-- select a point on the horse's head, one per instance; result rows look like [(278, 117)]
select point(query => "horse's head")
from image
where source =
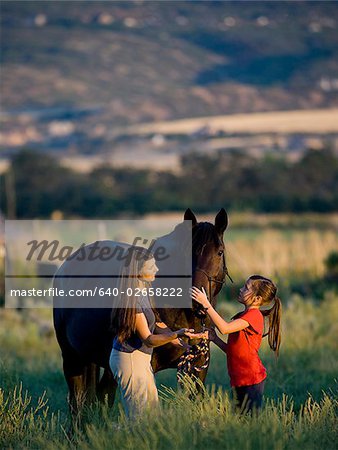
[(208, 255)]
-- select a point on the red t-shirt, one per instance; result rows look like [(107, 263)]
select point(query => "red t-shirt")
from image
[(244, 365)]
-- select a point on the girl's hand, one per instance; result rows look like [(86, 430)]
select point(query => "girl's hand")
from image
[(211, 334), (200, 296)]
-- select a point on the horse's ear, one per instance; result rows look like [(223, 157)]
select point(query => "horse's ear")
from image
[(221, 221), (189, 215)]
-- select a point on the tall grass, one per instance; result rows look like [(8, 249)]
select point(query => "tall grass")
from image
[(211, 423), (280, 253), (300, 397), (207, 422)]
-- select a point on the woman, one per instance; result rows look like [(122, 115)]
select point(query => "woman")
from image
[(137, 332), (246, 371)]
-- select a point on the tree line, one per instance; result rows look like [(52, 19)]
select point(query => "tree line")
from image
[(39, 185)]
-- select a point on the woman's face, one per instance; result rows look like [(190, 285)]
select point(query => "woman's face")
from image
[(148, 270)]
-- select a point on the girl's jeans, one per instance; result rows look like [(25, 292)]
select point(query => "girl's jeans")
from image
[(249, 398)]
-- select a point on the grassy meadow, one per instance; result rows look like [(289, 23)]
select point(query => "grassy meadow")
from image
[(300, 409)]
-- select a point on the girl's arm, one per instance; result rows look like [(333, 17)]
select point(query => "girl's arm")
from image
[(216, 340), (220, 344), (222, 325)]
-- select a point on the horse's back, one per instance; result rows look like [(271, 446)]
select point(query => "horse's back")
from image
[(82, 323)]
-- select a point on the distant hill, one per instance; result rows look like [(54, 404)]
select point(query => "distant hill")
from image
[(98, 65)]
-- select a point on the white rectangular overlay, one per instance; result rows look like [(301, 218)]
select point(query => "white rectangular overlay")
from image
[(80, 263)]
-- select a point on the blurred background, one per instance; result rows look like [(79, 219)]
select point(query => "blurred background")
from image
[(141, 109)]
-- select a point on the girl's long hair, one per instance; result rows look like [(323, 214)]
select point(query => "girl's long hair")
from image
[(265, 288), (123, 317)]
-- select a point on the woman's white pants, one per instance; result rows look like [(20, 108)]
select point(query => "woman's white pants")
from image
[(136, 380)]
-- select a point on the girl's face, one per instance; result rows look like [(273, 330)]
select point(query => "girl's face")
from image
[(246, 294), (148, 270)]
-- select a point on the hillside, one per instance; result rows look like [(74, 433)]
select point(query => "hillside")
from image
[(73, 71)]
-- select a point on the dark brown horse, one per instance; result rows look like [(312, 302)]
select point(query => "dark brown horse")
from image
[(84, 334)]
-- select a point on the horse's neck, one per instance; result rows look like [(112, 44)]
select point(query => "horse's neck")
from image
[(165, 242)]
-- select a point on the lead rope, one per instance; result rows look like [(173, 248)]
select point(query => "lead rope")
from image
[(187, 365)]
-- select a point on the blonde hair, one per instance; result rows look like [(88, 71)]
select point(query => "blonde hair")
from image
[(267, 290)]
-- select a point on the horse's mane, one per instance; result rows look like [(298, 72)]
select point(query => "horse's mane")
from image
[(204, 233)]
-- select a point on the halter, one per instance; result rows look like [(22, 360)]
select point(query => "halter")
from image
[(211, 279)]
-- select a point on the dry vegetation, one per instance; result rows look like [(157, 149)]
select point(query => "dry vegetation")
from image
[(288, 122), (273, 253)]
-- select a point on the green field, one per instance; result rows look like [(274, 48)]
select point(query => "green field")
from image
[(301, 391), (300, 398)]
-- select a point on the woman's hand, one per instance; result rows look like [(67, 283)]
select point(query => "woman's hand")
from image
[(201, 335), (191, 334), (180, 343), (184, 331), (200, 296)]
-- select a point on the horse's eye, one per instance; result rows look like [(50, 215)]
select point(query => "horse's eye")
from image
[(220, 253)]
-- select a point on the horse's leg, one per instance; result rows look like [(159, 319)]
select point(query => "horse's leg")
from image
[(201, 376), (107, 386), (91, 379), (81, 379), (76, 392)]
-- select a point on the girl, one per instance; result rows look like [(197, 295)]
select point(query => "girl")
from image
[(246, 371), (137, 332)]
